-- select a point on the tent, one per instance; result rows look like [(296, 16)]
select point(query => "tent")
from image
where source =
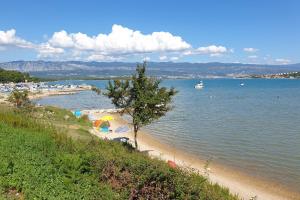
[(97, 123), (107, 118), (77, 113)]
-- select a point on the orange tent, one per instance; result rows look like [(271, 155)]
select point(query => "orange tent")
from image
[(97, 123)]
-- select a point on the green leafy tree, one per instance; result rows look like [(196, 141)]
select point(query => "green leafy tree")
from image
[(19, 98), (141, 97)]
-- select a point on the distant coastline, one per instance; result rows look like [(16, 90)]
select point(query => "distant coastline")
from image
[(53, 70)]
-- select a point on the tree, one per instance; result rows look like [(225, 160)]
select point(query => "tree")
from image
[(141, 98), (19, 98)]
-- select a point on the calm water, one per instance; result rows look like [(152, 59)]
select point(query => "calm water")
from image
[(255, 128)]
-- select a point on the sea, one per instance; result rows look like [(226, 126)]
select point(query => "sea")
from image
[(253, 127)]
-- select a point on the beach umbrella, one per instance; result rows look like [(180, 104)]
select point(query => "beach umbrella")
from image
[(107, 118)]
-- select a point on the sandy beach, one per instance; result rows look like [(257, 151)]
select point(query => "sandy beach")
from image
[(239, 183), (38, 95), (45, 93)]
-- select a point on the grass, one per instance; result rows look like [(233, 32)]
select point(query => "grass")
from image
[(42, 159)]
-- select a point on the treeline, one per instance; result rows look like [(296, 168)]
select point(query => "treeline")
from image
[(7, 76)]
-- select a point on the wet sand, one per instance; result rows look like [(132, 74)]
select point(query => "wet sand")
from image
[(239, 183)]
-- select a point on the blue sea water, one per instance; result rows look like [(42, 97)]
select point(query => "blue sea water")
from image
[(254, 128)]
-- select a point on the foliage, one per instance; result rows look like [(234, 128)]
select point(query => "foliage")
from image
[(141, 98), (19, 98), (40, 162), (7, 76)]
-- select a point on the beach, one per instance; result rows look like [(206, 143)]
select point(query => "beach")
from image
[(46, 93), (238, 183), (41, 90)]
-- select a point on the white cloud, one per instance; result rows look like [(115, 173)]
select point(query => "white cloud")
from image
[(61, 39), (252, 57), (174, 58), (9, 38), (45, 50), (120, 43), (163, 58), (282, 61), (250, 50), (120, 40), (101, 57), (212, 50), (216, 55)]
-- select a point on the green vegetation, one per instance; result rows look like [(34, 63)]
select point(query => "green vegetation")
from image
[(19, 98), (141, 98), (7, 76), (49, 154)]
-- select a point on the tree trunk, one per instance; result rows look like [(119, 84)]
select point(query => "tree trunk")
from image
[(135, 130)]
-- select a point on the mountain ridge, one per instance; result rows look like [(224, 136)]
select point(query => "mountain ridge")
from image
[(47, 68)]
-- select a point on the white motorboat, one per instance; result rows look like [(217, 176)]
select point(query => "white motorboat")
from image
[(199, 85)]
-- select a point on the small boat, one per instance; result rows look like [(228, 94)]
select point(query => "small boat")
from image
[(199, 85), (242, 84)]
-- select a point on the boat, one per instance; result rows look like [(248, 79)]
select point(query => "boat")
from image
[(199, 85), (242, 84)]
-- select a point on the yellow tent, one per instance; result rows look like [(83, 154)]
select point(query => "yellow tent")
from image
[(107, 118)]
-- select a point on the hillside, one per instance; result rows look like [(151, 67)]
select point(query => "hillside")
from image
[(101, 69), (45, 155), (7, 76)]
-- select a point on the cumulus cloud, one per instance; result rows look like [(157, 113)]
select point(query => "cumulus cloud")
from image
[(252, 57), (174, 58), (9, 38), (120, 43), (212, 50), (47, 51), (163, 58), (282, 61), (101, 57), (250, 50), (120, 40), (61, 39)]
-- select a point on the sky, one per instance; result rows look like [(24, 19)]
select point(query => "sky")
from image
[(246, 31)]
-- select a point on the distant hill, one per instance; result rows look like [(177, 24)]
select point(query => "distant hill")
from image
[(184, 69), (7, 76)]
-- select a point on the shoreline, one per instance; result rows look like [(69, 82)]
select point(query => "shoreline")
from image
[(39, 95), (245, 186), (47, 93)]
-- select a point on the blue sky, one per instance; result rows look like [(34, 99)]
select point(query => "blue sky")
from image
[(252, 31)]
